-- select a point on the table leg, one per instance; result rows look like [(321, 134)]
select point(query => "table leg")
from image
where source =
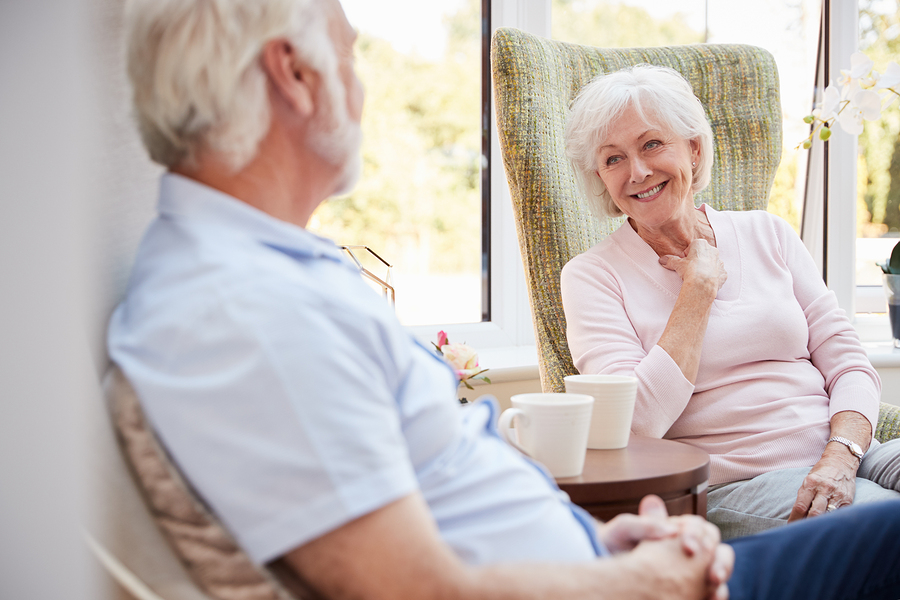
[(700, 503)]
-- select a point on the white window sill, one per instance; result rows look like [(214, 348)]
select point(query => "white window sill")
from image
[(512, 363), (875, 334), (520, 363)]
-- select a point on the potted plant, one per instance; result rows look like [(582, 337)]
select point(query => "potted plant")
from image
[(891, 277)]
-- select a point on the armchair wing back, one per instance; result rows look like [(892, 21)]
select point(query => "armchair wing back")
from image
[(535, 81)]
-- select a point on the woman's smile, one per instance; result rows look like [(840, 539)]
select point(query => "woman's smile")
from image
[(651, 192)]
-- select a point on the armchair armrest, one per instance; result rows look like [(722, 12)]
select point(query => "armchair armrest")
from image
[(888, 423)]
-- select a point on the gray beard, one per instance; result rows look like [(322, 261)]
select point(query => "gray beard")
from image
[(351, 166), (338, 140)]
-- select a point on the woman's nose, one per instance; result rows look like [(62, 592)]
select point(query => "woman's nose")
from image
[(639, 170)]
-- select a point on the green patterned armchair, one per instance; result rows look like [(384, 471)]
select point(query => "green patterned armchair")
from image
[(536, 79)]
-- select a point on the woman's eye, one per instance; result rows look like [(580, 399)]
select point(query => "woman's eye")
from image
[(613, 160), (652, 144)]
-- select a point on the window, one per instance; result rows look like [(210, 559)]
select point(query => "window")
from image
[(433, 200), (878, 163), (439, 46), (419, 202), (830, 215)]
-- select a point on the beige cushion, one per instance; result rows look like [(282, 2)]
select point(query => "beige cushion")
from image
[(209, 553)]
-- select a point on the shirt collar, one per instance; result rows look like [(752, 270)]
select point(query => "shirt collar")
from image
[(184, 198)]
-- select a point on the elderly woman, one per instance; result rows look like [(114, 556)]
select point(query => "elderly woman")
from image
[(737, 345)]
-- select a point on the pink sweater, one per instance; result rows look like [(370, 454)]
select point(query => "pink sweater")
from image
[(778, 360)]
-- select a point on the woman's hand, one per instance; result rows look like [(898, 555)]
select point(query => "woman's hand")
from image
[(700, 266), (830, 483), (702, 274)]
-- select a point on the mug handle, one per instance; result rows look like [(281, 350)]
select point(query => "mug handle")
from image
[(503, 426)]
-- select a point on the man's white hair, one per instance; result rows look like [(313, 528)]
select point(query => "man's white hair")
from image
[(195, 71)]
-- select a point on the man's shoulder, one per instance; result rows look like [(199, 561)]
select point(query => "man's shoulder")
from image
[(209, 289), (192, 260)]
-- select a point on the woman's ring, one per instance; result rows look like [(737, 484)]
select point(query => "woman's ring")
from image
[(830, 507)]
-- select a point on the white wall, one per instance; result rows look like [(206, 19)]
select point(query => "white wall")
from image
[(890, 384), (46, 161), (76, 190), (502, 391)]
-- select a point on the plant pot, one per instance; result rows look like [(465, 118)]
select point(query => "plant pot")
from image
[(892, 291)]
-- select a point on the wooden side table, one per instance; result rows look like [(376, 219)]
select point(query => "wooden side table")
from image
[(614, 481)]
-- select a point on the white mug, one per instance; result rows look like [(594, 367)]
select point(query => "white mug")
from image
[(614, 397), (550, 428)]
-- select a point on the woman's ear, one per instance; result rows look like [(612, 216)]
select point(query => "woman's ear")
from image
[(695, 150), (290, 78)]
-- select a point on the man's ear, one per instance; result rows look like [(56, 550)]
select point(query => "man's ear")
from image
[(295, 82)]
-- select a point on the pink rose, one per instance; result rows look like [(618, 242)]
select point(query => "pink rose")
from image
[(462, 358)]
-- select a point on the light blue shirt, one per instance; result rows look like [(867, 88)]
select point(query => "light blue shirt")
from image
[(294, 402)]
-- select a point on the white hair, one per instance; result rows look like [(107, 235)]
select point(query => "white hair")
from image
[(196, 75), (657, 93)]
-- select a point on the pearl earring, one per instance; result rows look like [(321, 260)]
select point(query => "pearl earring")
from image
[(693, 164)]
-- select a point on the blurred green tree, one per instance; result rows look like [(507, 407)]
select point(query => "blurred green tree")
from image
[(879, 144), (617, 25), (418, 202)]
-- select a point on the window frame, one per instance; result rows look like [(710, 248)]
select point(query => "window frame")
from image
[(840, 272), (510, 324), (838, 230)]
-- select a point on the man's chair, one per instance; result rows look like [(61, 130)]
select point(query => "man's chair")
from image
[(216, 565), (535, 80)]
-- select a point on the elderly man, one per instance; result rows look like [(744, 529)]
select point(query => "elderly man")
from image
[(307, 418)]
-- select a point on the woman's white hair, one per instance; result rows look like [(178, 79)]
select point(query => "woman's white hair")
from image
[(196, 76), (661, 96)]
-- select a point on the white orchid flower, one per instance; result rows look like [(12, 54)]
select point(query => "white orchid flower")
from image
[(860, 65), (851, 120), (869, 103), (850, 90), (844, 79), (869, 82), (864, 104), (891, 77), (861, 94), (828, 107)]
